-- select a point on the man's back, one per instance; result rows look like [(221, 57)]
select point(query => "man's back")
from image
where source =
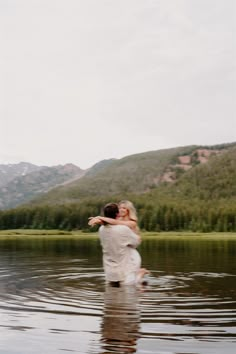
[(116, 241)]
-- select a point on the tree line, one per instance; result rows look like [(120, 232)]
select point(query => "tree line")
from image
[(196, 216)]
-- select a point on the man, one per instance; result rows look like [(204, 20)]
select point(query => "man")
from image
[(116, 241)]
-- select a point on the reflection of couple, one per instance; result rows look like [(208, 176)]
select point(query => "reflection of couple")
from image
[(119, 239), (121, 319)]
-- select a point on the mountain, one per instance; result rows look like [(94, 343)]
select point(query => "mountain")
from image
[(188, 171), (142, 173), (190, 188), (24, 181), (10, 171)]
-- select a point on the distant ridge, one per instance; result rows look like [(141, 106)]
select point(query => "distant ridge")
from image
[(10, 171), (24, 181)]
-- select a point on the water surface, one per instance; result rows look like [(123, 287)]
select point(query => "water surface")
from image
[(53, 298)]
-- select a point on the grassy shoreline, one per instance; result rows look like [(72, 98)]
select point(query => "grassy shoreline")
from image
[(81, 234)]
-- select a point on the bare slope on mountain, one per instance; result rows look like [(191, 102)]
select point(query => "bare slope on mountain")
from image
[(213, 180), (209, 182), (26, 187)]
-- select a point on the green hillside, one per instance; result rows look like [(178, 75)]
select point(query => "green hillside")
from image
[(134, 174), (185, 171)]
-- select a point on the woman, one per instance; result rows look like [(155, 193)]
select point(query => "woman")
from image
[(128, 217)]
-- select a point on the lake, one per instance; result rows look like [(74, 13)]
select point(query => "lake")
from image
[(53, 298)]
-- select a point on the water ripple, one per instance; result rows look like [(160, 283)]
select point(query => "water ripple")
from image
[(61, 299)]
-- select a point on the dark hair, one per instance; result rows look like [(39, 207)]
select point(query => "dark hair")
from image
[(111, 210)]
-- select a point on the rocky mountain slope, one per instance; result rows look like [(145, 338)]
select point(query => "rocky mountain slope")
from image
[(10, 171), (23, 182)]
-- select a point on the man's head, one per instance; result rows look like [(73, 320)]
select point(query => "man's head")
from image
[(111, 210)]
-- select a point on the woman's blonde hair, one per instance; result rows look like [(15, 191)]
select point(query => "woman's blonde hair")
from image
[(130, 207)]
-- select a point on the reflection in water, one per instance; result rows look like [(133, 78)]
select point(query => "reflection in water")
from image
[(52, 298), (121, 319)]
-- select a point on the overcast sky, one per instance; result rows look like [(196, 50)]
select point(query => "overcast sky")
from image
[(86, 80)]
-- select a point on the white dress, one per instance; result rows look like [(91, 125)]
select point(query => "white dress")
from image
[(133, 266)]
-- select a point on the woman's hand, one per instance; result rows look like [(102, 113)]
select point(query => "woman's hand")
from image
[(94, 220)]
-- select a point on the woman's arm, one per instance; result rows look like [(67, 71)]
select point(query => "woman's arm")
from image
[(130, 223), (98, 220)]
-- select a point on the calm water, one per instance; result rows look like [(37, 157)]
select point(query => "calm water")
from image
[(53, 298)]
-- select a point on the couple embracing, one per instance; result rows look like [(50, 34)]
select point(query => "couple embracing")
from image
[(119, 236)]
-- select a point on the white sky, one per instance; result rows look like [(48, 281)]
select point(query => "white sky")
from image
[(86, 80)]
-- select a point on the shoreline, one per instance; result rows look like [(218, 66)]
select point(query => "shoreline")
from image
[(83, 234)]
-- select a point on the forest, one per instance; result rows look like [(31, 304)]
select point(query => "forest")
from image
[(195, 215)]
